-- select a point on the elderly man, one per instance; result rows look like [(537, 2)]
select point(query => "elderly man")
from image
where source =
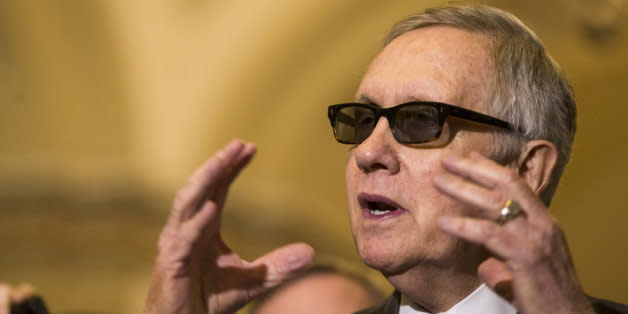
[(461, 129)]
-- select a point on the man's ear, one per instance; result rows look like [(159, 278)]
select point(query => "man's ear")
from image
[(536, 164)]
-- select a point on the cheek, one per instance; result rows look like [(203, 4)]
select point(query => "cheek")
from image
[(428, 202), (421, 191), (351, 184), (350, 178)]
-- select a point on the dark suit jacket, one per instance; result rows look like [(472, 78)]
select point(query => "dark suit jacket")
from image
[(391, 306)]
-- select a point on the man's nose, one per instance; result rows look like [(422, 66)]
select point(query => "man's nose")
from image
[(379, 151)]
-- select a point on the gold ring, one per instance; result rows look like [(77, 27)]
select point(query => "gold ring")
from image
[(511, 210)]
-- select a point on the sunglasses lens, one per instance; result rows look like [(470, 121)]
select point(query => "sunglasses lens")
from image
[(412, 123), (353, 124), (416, 124)]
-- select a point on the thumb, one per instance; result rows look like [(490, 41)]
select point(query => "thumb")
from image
[(285, 261), (497, 276)]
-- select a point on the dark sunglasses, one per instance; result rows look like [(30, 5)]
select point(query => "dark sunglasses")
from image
[(411, 123)]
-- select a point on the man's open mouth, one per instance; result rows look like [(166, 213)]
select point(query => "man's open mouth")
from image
[(378, 205)]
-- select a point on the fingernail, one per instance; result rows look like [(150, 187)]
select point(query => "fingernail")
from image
[(252, 146), (234, 143), (234, 146)]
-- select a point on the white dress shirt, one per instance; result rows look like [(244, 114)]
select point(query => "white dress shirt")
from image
[(481, 301)]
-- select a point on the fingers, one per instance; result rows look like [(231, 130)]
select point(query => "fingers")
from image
[(485, 201), (495, 238), (464, 167), (497, 276), (203, 223), (273, 268), (202, 183), (486, 185), (534, 267), (211, 180), (285, 261), (241, 161), (197, 206)]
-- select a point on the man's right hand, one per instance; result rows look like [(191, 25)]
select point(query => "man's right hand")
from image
[(195, 271)]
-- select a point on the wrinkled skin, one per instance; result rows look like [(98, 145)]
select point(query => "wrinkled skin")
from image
[(451, 197), (532, 265), (195, 271), (436, 261)]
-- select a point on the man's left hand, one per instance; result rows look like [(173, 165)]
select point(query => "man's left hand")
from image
[(532, 266)]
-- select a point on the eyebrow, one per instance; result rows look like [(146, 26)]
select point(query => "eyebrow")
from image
[(364, 99), (416, 99)]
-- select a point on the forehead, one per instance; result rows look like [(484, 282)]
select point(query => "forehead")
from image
[(437, 63)]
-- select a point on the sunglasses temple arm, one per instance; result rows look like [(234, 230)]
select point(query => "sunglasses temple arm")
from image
[(478, 117)]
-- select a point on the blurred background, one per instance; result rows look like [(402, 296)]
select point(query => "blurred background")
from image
[(107, 105)]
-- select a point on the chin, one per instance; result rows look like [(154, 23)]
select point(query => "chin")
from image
[(383, 255), (393, 256)]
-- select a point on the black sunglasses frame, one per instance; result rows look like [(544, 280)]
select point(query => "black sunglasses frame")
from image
[(444, 110)]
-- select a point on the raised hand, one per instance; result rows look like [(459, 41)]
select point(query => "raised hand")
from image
[(532, 265), (195, 271)]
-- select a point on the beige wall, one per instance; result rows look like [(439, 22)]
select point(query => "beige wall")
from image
[(106, 106)]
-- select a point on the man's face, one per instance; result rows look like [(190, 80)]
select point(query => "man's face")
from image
[(437, 63)]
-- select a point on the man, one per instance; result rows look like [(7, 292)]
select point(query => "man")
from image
[(320, 289), (461, 131)]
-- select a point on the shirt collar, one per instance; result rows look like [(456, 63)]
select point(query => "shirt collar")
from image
[(481, 300)]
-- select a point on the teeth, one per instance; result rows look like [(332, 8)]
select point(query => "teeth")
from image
[(379, 209), (379, 212)]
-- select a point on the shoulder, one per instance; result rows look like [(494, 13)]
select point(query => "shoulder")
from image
[(602, 306), (389, 306)]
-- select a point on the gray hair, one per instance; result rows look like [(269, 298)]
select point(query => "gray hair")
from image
[(530, 90)]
